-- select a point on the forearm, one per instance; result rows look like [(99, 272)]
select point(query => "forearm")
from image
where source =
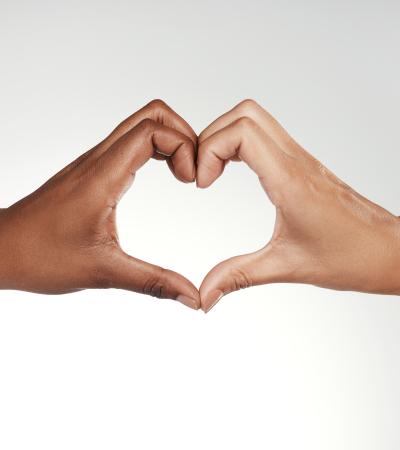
[(390, 273), (367, 260)]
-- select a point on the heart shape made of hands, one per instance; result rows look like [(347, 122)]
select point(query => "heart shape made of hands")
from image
[(63, 237)]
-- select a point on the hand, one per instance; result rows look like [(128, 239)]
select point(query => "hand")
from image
[(325, 233), (63, 237)]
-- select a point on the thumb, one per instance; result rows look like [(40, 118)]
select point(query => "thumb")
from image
[(240, 272), (132, 274)]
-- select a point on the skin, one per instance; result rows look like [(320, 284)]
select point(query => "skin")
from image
[(63, 237), (325, 234)]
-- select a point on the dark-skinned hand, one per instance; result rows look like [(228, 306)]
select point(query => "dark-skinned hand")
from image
[(63, 238)]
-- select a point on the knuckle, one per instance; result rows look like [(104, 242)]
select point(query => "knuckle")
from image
[(245, 122), (157, 104), (147, 125), (240, 279), (155, 285), (248, 105)]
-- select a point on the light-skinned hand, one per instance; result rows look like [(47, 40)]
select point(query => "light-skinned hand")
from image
[(326, 234)]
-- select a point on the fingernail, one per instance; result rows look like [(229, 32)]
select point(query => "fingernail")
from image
[(188, 301), (212, 299), (163, 154)]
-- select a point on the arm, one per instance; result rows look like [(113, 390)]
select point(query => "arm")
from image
[(63, 238), (326, 234)]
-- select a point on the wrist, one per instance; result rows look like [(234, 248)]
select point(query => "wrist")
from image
[(8, 257), (397, 263), (389, 275)]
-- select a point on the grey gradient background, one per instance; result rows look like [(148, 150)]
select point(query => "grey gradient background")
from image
[(279, 366)]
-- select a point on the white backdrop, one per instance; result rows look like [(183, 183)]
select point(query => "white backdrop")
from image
[(279, 366)]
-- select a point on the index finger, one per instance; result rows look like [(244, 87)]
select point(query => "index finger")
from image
[(158, 111), (251, 109), (243, 138)]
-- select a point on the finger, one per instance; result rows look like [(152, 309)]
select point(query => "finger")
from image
[(250, 108), (164, 142), (181, 162), (245, 139), (126, 272), (240, 272), (159, 112), (116, 167)]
